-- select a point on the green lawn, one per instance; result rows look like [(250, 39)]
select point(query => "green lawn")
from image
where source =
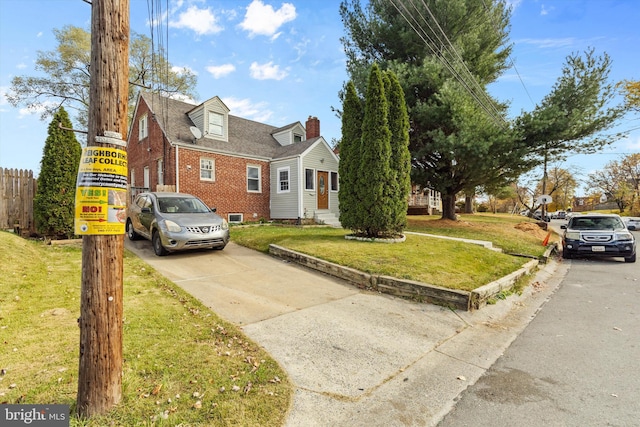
[(176, 351), (440, 262), (182, 363)]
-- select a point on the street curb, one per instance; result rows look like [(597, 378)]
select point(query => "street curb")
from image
[(460, 300)]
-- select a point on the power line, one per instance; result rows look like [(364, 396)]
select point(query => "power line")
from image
[(487, 105), (513, 64)]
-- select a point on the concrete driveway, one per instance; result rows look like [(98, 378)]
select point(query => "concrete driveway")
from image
[(356, 358)]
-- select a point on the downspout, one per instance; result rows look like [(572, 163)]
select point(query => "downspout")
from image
[(177, 170)]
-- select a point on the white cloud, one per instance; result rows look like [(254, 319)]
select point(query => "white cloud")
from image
[(3, 95), (267, 71), (549, 43), (21, 66), (513, 3), (633, 145), (262, 19), (221, 70), (181, 70), (202, 21), (39, 34), (545, 10), (248, 110)]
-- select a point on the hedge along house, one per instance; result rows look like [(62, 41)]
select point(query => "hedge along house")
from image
[(248, 171)]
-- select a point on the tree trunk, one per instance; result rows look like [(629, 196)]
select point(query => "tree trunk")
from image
[(100, 367), (449, 207), (468, 204)]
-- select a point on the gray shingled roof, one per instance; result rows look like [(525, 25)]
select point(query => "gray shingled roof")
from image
[(246, 137)]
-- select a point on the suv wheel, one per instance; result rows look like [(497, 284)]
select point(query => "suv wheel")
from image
[(632, 258), (157, 244), (566, 254), (131, 233)]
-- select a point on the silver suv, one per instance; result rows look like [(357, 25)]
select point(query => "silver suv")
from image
[(175, 222), (598, 235)]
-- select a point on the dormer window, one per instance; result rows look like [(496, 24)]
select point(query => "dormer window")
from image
[(297, 137), (216, 124)]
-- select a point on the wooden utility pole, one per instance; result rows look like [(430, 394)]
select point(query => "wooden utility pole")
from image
[(100, 370)]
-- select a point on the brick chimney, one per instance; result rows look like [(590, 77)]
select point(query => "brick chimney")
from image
[(313, 127)]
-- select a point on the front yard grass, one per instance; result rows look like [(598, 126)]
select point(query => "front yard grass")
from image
[(183, 365), (440, 262)]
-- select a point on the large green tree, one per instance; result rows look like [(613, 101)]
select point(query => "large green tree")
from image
[(54, 203), (574, 115), (348, 168), (444, 54), (63, 75)]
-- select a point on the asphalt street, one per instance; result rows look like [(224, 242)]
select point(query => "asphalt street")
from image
[(575, 364)]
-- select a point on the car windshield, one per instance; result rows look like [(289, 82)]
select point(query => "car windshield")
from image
[(181, 205), (596, 224)]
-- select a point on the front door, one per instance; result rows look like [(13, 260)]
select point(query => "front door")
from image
[(323, 190)]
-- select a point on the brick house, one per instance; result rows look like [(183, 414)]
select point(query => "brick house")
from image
[(247, 170)]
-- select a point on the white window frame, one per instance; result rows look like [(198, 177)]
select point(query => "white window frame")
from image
[(160, 172), (313, 179), (143, 128), (208, 165), (279, 182), (259, 179), (146, 178), (331, 175), (214, 127), (133, 178), (233, 220)]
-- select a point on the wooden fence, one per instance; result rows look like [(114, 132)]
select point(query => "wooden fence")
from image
[(17, 191)]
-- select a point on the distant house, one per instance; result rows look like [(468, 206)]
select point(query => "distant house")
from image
[(248, 171)]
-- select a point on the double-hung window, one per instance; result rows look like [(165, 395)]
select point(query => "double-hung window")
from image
[(253, 179), (216, 124), (283, 180), (207, 170)]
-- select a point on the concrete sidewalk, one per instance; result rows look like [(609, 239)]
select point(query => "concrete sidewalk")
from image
[(356, 358)]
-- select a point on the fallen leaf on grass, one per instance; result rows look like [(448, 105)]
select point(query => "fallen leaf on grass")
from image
[(156, 389)]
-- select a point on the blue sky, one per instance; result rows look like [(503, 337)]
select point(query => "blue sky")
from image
[(279, 62)]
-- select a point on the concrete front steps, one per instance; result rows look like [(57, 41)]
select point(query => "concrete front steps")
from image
[(327, 217)]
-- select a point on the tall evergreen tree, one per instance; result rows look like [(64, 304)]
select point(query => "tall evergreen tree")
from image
[(400, 161), (374, 210), (476, 35), (54, 203), (348, 168)]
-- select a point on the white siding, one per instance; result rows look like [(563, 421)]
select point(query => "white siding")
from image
[(197, 117), (285, 205), (286, 137), (319, 158)]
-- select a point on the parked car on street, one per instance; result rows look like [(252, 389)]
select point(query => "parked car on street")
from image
[(598, 235), (632, 223), (175, 222), (538, 215)]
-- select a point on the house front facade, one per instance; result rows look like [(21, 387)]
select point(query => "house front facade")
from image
[(248, 171)]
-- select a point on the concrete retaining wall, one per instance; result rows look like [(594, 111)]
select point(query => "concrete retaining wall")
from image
[(460, 300)]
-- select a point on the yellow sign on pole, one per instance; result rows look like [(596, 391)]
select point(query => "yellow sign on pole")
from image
[(101, 192)]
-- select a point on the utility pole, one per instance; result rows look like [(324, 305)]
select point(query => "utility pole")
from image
[(100, 369)]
